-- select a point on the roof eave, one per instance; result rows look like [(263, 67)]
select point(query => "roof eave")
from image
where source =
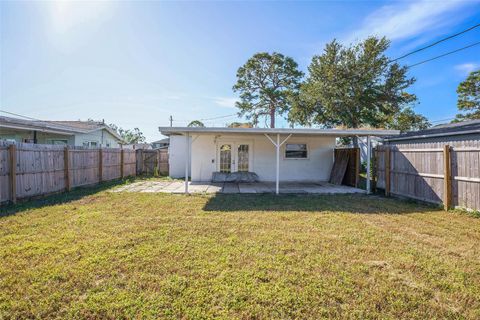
[(39, 129), (325, 132), (433, 135)]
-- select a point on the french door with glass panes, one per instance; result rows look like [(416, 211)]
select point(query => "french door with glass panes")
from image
[(234, 157)]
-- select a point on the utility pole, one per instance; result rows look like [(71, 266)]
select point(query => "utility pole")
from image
[(171, 120)]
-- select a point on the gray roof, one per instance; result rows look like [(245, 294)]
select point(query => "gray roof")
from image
[(307, 131), (442, 130), (59, 127), (165, 140)]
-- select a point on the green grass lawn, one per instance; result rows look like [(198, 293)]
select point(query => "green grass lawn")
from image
[(123, 255)]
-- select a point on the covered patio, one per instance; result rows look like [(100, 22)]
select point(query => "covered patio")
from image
[(282, 160), (241, 187)]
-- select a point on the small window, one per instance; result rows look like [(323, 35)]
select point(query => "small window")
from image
[(296, 151), (59, 141), (91, 144)]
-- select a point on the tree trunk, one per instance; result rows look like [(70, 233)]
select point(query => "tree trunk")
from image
[(272, 117)]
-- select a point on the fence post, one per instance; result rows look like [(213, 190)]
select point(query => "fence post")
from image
[(447, 181), (387, 171), (374, 168), (100, 165), (66, 160), (134, 171), (122, 160), (13, 172), (357, 166)]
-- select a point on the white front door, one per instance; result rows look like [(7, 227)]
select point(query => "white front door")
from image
[(234, 156)]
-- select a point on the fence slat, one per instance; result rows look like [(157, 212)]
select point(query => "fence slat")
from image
[(66, 161), (387, 172), (447, 193), (100, 165), (13, 172), (121, 163)]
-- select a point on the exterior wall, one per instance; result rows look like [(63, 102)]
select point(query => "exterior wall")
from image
[(316, 167), (176, 157), (102, 137), (42, 137)]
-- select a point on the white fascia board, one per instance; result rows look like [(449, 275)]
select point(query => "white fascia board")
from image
[(320, 132)]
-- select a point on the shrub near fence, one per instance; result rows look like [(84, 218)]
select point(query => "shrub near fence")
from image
[(418, 171), (45, 169)]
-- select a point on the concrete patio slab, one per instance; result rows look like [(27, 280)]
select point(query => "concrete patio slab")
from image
[(232, 187)]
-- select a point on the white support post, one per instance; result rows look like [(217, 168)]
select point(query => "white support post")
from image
[(187, 159), (277, 145), (369, 156), (277, 183)]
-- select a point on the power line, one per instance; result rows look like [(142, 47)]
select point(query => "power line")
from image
[(436, 42), (19, 115), (442, 120), (220, 117), (445, 54)]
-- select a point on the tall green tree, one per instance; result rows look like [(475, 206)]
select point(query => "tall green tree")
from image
[(266, 83), (196, 123), (354, 86), (469, 97), (129, 136), (406, 120)]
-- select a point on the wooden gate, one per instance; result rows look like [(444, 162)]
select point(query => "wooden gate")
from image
[(152, 162), (346, 169)]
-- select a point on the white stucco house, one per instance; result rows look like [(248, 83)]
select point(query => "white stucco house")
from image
[(273, 154), (73, 133)]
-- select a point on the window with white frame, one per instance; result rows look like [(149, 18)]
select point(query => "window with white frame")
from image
[(296, 151)]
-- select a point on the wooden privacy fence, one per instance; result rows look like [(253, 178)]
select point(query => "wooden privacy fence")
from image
[(152, 161), (29, 170), (434, 172)]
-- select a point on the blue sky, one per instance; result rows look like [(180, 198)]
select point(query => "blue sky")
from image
[(137, 63)]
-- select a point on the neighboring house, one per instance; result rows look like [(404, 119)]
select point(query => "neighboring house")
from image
[(73, 133), (302, 154), (138, 146), (161, 144), (450, 132)]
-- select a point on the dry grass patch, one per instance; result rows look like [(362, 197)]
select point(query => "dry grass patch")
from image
[(125, 255)]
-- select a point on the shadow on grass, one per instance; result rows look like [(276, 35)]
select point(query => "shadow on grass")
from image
[(352, 203), (59, 198)]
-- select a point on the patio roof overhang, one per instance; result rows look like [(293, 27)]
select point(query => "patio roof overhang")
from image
[(273, 135), (306, 131)]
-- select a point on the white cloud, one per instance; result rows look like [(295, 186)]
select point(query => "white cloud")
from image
[(407, 19), (465, 68), (227, 102)]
